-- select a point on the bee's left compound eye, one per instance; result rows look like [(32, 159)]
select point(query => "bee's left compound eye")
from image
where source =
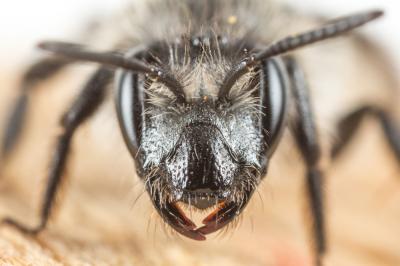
[(129, 101), (273, 93)]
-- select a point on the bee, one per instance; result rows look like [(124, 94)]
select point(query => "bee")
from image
[(204, 92)]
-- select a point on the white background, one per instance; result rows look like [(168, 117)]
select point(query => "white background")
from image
[(23, 23)]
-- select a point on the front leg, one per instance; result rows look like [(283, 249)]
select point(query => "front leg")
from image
[(306, 137), (37, 73), (83, 107)]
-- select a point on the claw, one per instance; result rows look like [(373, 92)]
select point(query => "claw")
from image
[(222, 216), (174, 216), (23, 228), (177, 219)]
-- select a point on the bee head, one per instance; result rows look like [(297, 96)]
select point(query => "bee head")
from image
[(202, 150)]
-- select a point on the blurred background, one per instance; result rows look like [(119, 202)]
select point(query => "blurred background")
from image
[(364, 206)]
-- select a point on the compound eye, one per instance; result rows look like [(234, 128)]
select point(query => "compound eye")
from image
[(273, 93), (129, 100)]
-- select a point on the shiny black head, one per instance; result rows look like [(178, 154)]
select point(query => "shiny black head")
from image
[(205, 150)]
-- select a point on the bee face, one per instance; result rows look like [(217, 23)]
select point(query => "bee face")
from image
[(205, 152), (206, 158), (203, 165)]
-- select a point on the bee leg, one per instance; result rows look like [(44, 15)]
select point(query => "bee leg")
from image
[(391, 131), (348, 126), (82, 108), (40, 71), (305, 133)]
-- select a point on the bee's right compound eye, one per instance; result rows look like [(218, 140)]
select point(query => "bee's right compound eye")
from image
[(274, 85), (130, 107)]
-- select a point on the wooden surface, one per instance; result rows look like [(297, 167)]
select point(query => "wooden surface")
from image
[(101, 220)]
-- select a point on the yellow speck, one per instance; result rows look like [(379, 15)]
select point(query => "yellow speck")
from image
[(232, 20), (205, 98)]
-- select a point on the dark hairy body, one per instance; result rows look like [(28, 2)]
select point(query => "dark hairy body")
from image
[(202, 104)]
